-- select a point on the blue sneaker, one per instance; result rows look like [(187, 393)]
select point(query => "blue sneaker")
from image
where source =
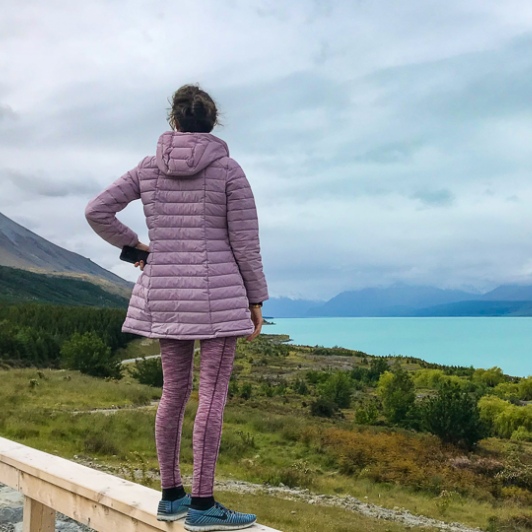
[(218, 517), (173, 510)]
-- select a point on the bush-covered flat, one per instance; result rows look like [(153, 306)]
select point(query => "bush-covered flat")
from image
[(450, 443)]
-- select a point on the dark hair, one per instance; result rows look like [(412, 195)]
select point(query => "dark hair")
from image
[(193, 110)]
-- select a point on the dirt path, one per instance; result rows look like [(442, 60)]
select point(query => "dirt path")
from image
[(398, 515), (132, 360)]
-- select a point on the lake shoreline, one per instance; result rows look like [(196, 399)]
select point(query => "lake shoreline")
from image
[(505, 342)]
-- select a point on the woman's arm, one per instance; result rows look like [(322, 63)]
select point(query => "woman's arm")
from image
[(101, 211)]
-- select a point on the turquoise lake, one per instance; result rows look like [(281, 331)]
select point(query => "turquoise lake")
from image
[(478, 342)]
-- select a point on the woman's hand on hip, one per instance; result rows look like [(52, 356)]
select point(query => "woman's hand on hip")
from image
[(256, 318), (143, 247)]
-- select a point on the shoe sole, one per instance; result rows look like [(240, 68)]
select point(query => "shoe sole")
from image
[(171, 517), (212, 528)]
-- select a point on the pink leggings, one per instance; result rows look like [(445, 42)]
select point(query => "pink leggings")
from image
[(216, 365)]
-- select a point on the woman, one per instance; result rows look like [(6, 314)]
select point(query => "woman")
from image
[(203, 281)]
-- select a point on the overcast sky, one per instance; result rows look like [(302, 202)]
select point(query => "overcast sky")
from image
[(385, 140)]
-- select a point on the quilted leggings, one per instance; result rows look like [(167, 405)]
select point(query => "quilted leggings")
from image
[(216, 365)]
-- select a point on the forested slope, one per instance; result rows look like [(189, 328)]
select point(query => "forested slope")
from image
[(22, 285)]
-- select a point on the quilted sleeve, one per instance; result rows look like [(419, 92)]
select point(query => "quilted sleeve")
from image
[(101, 211), (243, 230)]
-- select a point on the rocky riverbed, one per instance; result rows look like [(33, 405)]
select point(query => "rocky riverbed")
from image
[(11, 502)]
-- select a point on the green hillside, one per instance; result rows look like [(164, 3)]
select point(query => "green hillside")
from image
[(23, 286)]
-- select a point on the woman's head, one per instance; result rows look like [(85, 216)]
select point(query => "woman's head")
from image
[(192, 111)]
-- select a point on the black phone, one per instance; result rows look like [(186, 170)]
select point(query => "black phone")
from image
[(133, 255)]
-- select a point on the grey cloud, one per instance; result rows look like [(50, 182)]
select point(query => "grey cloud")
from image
[(323, 54), (278, 109), (7, 113), (44, 185), (102, 116), (460, 89), (281, 12), (435, 198), (389, 154)]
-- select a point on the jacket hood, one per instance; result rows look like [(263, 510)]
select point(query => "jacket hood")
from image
[(186, 154)]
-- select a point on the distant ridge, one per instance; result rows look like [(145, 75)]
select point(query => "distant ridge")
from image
[(396, 300), (509, 292), (22, 249), (401, 300)]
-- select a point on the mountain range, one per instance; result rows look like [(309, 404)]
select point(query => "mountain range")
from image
[(405, 300)]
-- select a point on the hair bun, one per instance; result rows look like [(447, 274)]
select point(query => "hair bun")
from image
[(198, 108), (193, 110)]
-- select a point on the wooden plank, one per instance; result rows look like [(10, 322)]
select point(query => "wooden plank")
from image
[(37, 517), (88, 512), (115, 493), (9, 475), (91, 497)]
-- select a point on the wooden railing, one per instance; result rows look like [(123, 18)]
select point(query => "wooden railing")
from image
[(96, 499)]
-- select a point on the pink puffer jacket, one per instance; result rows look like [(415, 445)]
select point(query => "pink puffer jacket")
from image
[(205, 265)]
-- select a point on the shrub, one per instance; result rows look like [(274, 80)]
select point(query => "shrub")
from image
[(511, 419), (396, 391), (316, 377), (429, 378), (100, 444), (517, 495), (490, 407), (267, 389), (337, 389), (323, 407), (233, 388), (521, 434), (298, 475), (512, 523), (246, 391), (419, 461), (236, 444), (300, 387), (89, 354), (148, 371), (516, 472), (445, 500), (367, 412), (453, 416), (504, 418), (509, 391), (371, 375), (525, 389), (490, 377)]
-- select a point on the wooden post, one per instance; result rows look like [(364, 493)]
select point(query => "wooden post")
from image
[(37, 517)]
